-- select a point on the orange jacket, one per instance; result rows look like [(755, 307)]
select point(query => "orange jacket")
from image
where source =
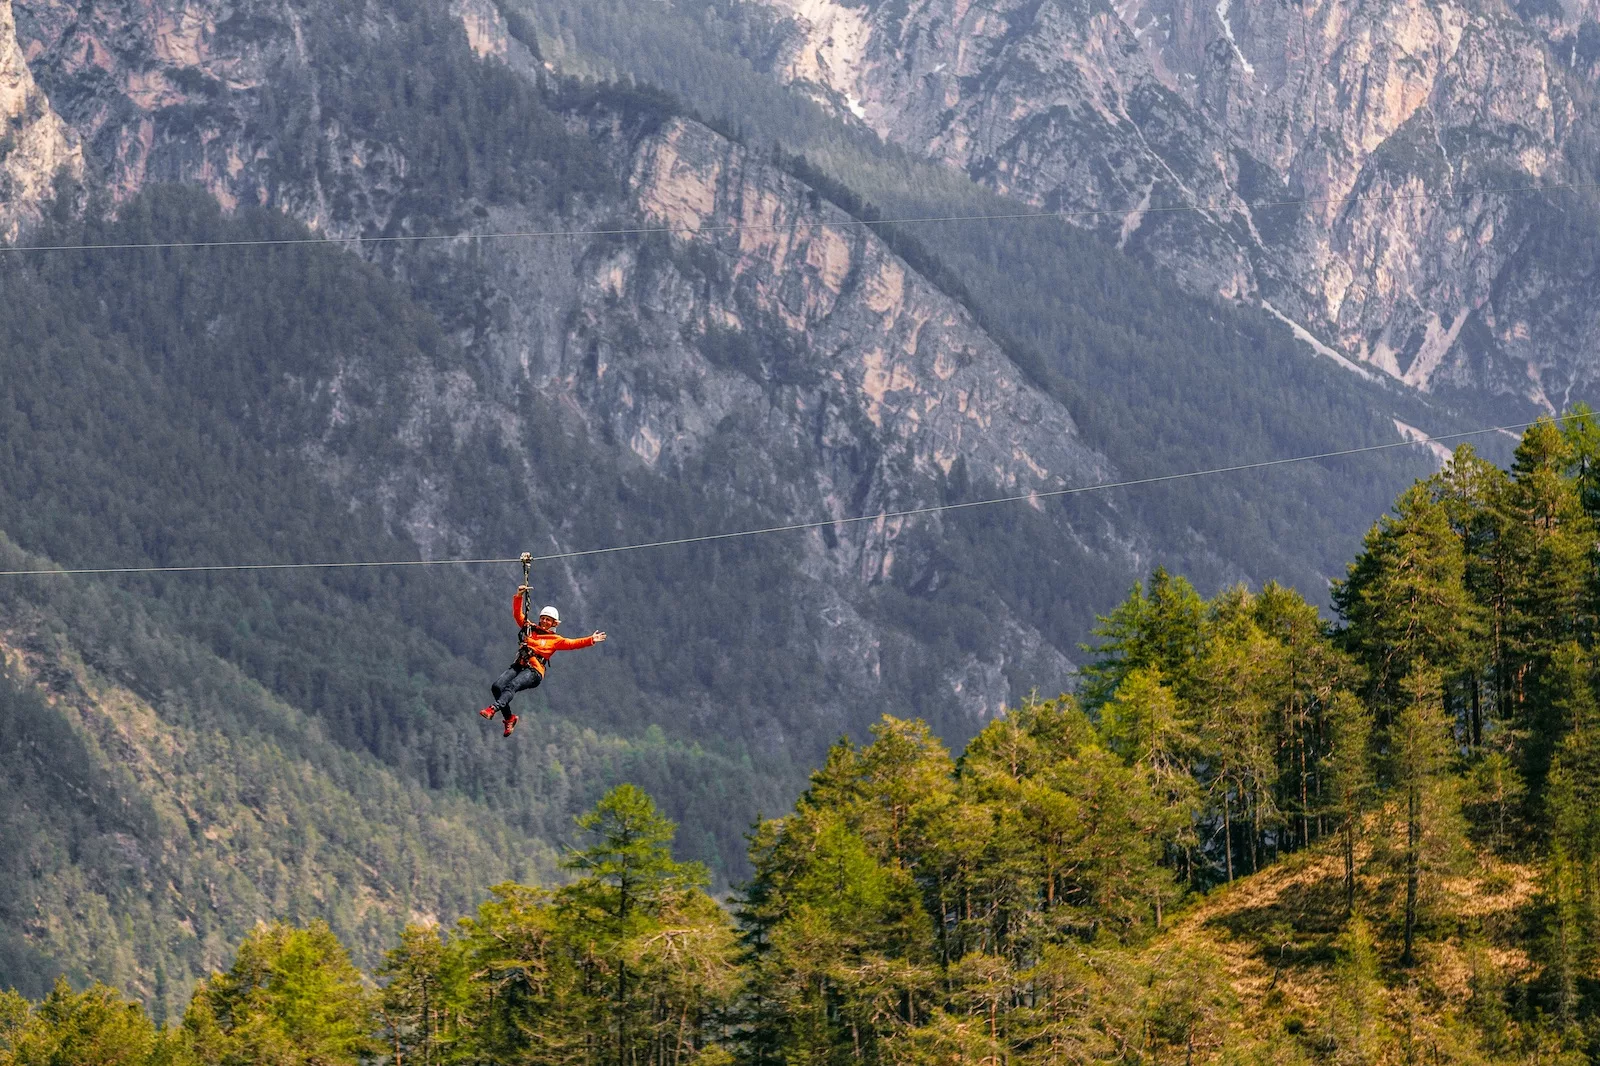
[(537, 645)]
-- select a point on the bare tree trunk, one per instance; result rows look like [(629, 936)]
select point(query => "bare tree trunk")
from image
[(683, 1024), (1413, 866), (1477, 711), (622, 1014), (1227, 833), (1349, 867), (1255, 834), (1305, 804), (399, 1059)]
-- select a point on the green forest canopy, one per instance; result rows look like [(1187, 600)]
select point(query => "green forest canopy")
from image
[(1016, 903)]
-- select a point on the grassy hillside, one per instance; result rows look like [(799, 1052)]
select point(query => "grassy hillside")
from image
[(1303, 983)]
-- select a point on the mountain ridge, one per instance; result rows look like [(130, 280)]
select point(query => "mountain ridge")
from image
[(1384, 127)]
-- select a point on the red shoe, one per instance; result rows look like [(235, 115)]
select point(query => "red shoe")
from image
[(489, 712), (511, 723)]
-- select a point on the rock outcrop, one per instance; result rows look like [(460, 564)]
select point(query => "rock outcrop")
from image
[(767, 315), (36, 147), (203, 93), (1336, 155)]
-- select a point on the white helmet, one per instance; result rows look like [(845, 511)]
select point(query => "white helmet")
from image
[(550, 613)]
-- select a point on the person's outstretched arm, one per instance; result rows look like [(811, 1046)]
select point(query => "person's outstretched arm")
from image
[(574, 643)]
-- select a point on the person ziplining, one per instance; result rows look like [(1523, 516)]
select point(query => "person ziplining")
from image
[(538, 642)]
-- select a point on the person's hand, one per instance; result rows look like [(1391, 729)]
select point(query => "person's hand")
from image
[(523, 588), (600, 637)]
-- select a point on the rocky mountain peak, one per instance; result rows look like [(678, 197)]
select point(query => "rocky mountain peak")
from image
[(1343, 162)]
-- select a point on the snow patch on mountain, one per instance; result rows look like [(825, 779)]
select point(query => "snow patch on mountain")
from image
[(1233, 42)]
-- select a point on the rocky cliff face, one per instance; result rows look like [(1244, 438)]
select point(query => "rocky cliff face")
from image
[(795, 364), (1380, 123), (35, 146), (773, 358), (205, 93), (843, 358)]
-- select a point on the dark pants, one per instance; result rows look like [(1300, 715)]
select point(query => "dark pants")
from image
[(513, 681)]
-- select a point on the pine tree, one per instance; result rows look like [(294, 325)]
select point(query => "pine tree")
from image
[(1573, 797), (95, 1027), (1311, 674), (425, 998), (849, 957), (904, 781), (632, 963), (1572, 814), (1355, 1023), (1350, 780), (532, 992), (14, 1012), (1233, 686), (1087, 1005), (1563, 937), (1472, 493), (1158, 628), (1189, 1005), (629, 868), (1550, 542), (1581, 433), (1405, 603), (1494, 795), (1079, 834), (1421, 748), (630, 883), (292, 996), (1145, 724)]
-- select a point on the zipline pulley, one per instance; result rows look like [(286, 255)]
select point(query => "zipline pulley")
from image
[(527, 567)]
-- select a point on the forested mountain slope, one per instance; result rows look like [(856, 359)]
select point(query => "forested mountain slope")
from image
[(464, 397), (293, 403), (307, 725), (158, 804)]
